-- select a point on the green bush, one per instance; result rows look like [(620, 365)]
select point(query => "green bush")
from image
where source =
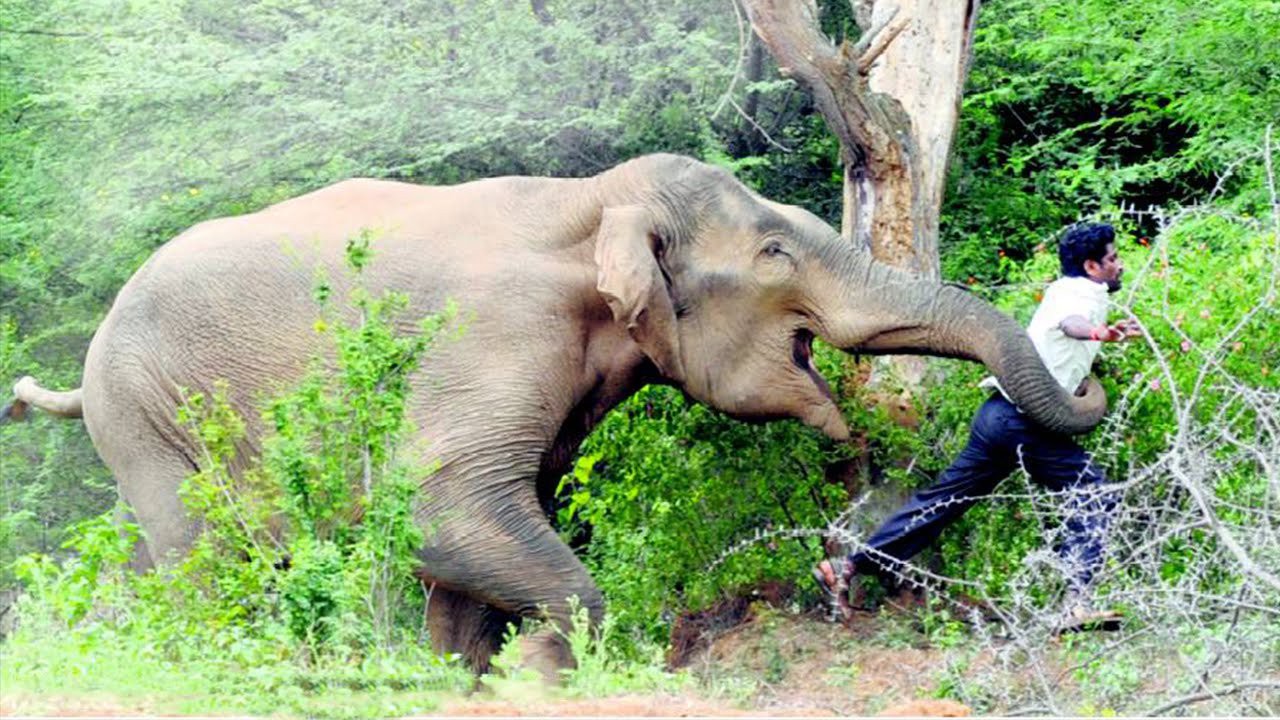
[(684, 506)]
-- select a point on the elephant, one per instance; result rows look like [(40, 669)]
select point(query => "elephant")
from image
[(577, 293)]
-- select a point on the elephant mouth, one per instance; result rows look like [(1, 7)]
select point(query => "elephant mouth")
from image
[(802, 356)]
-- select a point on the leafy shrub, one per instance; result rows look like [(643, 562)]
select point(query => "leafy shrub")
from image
[(100, 548), (684, 506)]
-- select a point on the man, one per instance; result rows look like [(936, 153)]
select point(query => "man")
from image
[(1067, 330)]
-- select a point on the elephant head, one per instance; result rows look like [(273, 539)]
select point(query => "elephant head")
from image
[(725, 292)]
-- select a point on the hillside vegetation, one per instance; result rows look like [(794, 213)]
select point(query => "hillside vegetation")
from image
[(125, 123)]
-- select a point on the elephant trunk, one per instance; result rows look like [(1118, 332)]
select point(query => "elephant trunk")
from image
[(910, 316)]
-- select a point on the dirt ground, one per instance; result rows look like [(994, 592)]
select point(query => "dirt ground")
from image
[(794, 666), (669, 706), (750, 660)]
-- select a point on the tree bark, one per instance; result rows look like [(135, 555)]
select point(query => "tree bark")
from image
[(892, 98), (754, 73), (541, 12)]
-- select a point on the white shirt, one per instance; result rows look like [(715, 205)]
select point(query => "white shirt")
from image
[(1067, 358)]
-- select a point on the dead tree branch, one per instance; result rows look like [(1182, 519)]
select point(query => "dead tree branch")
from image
[(1214, 695)]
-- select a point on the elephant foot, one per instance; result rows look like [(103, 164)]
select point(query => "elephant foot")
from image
[(546, 653), (463, 626)]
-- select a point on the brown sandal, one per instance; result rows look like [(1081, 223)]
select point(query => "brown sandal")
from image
[(834, 583), (1085, 619)]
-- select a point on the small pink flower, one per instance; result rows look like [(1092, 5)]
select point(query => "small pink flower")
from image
[(1155, 385), (1186, 346), (1205, 313)]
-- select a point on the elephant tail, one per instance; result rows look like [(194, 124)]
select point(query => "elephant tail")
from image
[(27, 393)]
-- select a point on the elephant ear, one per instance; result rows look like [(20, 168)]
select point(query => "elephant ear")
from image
[(628, 276)]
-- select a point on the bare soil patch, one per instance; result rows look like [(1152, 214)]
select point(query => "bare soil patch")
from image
[(784, 665)]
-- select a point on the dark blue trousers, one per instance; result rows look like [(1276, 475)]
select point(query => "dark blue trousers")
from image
[(1001, 438)]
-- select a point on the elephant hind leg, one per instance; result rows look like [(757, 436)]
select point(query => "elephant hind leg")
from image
[(460, 624), (134, 426), (149, 474), (151, 489), (140, 557)]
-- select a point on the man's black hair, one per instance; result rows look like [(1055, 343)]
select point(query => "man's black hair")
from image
[(1084, 241)]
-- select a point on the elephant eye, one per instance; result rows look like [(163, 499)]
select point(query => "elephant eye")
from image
[(774, 249)]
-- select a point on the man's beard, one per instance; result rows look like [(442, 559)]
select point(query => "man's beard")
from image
[(1114, 285)]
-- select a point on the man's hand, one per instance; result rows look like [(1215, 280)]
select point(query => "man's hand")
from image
[(1125, 329), (1129, 327)]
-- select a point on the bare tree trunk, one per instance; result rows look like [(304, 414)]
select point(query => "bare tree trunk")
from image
[(541, 12), (754, 73), (925, 68), (892, 99)]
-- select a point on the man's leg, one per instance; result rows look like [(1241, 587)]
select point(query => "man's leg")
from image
[(983, 463), (1061, 465)]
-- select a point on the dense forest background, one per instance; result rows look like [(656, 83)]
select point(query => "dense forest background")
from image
[(126, 122)]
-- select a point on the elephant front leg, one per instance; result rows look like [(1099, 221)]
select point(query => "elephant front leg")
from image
[(516, 563), (459, 624)]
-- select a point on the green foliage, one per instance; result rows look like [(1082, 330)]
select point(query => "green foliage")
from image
[(1109, 674), (605, 665), (1076, 107), (125, 124), (101, 548), (602, 671), (661, 519), (333, 456)]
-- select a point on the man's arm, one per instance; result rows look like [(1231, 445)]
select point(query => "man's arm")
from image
[(1077, 327)]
